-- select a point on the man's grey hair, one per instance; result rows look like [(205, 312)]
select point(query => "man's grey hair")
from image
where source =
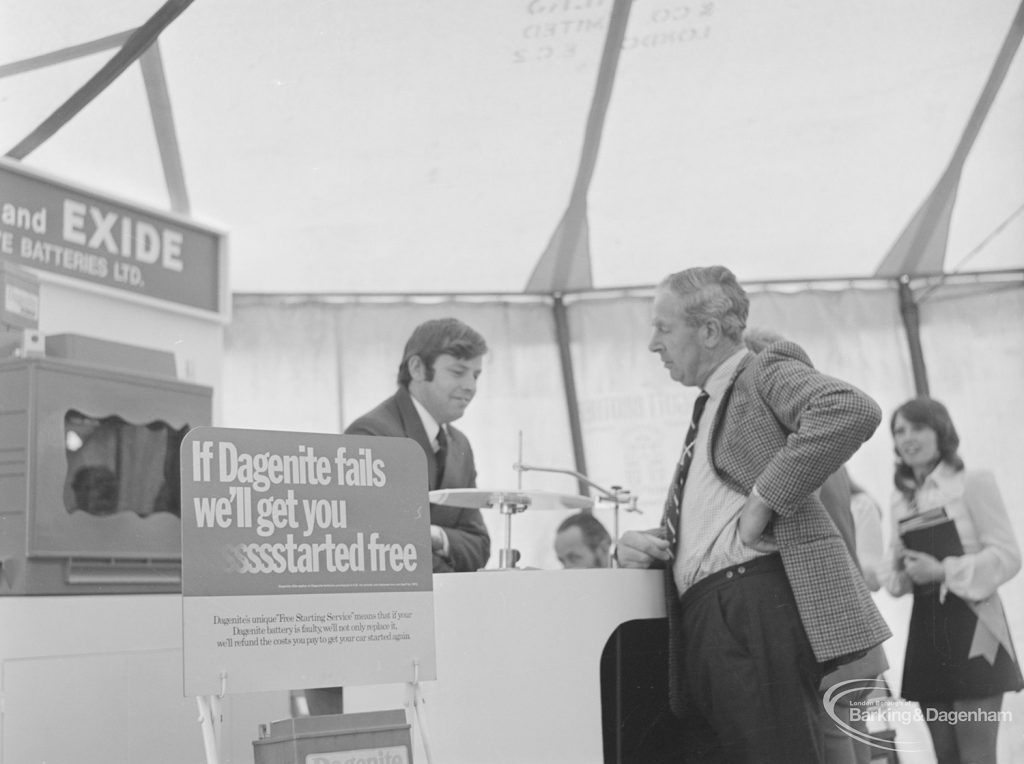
[(711, 293)]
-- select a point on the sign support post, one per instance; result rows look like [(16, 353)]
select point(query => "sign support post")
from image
[(415, 699), (211, 738)]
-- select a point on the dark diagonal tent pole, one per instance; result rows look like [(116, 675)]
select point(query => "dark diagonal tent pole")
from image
[(910, 314), (65, 54), (136, 44), (921, 248), (163, 123), (565, 263)]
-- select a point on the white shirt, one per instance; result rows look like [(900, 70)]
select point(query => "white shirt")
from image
[(972, 499), (709, 538), (432, 428), (430, 424), (867, 525)]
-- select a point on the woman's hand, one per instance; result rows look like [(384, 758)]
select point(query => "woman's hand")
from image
[(923, 568)]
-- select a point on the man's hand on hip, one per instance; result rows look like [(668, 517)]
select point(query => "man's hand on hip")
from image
[(753, 525)]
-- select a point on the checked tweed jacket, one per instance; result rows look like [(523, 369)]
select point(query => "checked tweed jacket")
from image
[(468, 539), (784, 427)]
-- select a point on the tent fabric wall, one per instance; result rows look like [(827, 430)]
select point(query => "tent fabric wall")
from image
[(314, 363), (281, 368)]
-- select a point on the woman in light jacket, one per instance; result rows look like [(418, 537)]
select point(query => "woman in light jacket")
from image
[(960, 658)]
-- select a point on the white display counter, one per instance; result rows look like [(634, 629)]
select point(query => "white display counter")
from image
[(518, 663), (99, 678)]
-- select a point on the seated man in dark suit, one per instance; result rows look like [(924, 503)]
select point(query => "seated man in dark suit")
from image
[(436, 382)]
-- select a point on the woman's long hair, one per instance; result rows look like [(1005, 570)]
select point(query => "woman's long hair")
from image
[(926, 412)]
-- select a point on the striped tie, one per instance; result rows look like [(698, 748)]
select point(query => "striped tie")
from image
[(675, 503)]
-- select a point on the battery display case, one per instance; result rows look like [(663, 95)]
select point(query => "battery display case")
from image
[(89, 476)]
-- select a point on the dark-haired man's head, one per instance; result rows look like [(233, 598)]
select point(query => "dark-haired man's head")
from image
[(440, 366), (581, 541)]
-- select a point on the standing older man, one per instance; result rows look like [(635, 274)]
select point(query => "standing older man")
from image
[(761, 593)]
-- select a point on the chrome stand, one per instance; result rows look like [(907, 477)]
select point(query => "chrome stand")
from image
[(507, 556), (616, 495)]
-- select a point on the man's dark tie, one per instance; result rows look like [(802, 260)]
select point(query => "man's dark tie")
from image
[(675, 503), (441, 454)]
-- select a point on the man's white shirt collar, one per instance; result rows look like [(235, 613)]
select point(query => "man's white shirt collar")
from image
[(430, 425), (719, 380)]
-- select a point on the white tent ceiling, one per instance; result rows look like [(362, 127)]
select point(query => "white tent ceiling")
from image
[(409, 146)]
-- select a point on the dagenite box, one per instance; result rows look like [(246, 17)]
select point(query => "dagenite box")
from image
[(376, 737)]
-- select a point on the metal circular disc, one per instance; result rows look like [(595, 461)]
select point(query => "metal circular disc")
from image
[(478, 498)]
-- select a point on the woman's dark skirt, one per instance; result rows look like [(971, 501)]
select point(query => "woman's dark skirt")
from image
[(937, 668)]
